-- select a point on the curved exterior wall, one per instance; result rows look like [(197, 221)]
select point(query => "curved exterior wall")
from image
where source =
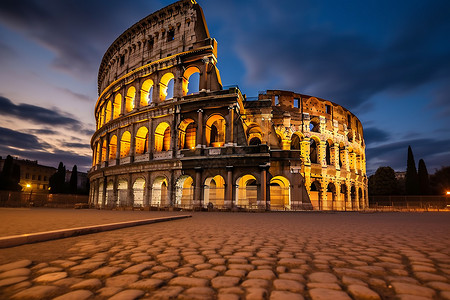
[(163, 142)]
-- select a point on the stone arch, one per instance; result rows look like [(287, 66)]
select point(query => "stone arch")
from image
[(246, 191), (108, 112), (329, 152), (191, 74), (146, 92), (296, 139), (254, 135), (314, 124), (101, 117), (98, 202), (141, 143), (314, 144), (125, 144), (122, 193), (184, 195), (353, 196), (187, 134), (214, 191), (166, 86), (215, 131), (344, 195), (117, 106), (360, 198), (138, 192), (129, 99), (112, 147), (280, 194), (159, 191), (315, 194), (331, 195), (162, 137)]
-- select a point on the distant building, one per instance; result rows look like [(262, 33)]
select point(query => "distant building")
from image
[(82, 179), (400, 175), (33, 177)]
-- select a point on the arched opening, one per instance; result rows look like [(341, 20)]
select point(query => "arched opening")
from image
[(328, 153), (254, 135), (344, 195), (187, 134), (350, 136), (125, 144), (129, 99), (166, 87), (360, 198), (184, 196), (112, 147), (246, 191), (191, 81), (214, 191), (314, 125), (255, 141), (146, 92), (98, 153), (280, 194), (142, 140), (159, 192), (110, 201), (104, 151), (117, 106), (122, 193), (162, 137), (315, 196), (101, 118), (331, 196), (108, 112), (138, 192), (353, 196), (313, 153), (296, 142), (215, 131)]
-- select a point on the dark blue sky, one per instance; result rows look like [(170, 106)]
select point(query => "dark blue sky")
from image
[(387, 61)]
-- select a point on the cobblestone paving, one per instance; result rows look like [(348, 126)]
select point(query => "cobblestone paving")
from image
[(242, 256)]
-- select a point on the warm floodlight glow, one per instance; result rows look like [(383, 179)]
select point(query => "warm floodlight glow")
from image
[(448, 193), (29, 185)]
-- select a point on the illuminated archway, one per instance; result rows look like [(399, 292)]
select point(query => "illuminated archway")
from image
[(344, 195), (125, 144), (295, 142), (129, 99), (162, 137), (314, 125), (159, 191), (108, 112), (146, 92), (329, 152), (98, 153), (104, 151), (112, 147), (117, 106), (246, 191), (315, 194), (280, 194), (214, 191), (191, 81), (101, 118), (166, 86), (353, 196), (141, 140), (184, 195), (313, 150), (254, 135), (187, 134), (138, 192), (360, 198), (215, 131), (331, 196), (122, 193)]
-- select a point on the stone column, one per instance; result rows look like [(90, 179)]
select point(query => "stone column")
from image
[(130, 200), (322, 148), (105, 186), (124, 101), (229, 139), (119, 137), (133, 142), (137, 98), (151, 138), (200, 129), (305, 149), (198, 188), (229, 201), (148, 188), (264, 203), (107, 149)]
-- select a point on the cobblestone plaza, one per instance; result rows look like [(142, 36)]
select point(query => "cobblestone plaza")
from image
[(309, 255)]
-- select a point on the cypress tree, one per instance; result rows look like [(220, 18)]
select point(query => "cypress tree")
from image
[(424, 179), (411, 179), (73, 183)]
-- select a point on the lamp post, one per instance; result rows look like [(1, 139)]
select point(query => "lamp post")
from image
[(31, 192)]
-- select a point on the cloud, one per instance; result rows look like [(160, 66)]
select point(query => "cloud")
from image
[(375, 135), (41, 131), (76, 95), (12, 139), (40, 115), (78, 145)]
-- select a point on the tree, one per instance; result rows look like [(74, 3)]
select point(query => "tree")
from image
[(424, 180), (73, 183), (10, 175), (57, 181), (440, 181), (411, 179), (383, 182)]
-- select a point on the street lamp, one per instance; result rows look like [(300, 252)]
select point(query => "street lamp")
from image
[(31, 192)]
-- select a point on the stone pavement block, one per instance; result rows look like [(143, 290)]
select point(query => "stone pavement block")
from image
[(323, 285), (109, 291), (412, 289), (37, 292), (66, 282), (284, 295), (445, 295), (128, 295), (75, 295), (350, 280), (361, 292), (412, 297), (292, 276), (224, 281), (425, 276), (327, 294), (256, 293), (256, 283), (189, 282), (12, 280), (441, 286), (106, 271), (288, 285), (163, 275), (121, 280), (49, 270), (51, 277), (350, 272), (291, 262), (261, 274), (323, 277), (228, 297), (167, 292), (136, 268), (15, 265), (15, 273), (91, 284), (147, 284)]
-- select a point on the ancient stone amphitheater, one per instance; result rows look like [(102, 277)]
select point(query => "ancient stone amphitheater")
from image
[(169, 135)]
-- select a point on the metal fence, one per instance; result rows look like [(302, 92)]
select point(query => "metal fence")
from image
[(409, 202), (27, 199)]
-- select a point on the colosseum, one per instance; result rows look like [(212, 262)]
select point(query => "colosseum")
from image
[(170, 136)]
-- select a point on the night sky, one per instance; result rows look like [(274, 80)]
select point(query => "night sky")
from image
[(386, 61)]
